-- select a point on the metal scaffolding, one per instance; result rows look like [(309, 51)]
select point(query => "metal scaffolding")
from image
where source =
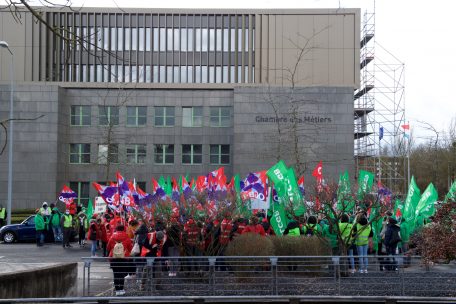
[(380, 103)]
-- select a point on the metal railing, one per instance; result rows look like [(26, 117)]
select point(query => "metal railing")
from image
[(264, 276)]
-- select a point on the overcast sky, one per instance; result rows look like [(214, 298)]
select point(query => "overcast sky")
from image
[(420, 33)]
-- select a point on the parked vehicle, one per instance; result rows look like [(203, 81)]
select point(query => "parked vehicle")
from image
[(24, 232)]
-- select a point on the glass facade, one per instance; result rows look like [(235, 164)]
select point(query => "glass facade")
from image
[(167, 48)]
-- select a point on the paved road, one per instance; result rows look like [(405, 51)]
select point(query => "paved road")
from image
[(49, 253), (24, 256)]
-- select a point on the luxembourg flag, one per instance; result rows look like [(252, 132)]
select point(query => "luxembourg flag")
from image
[(301, 185)]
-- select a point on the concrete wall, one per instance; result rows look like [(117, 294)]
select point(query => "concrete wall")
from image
[(324, 129), (35, 144), (48, 282), (322, 44)]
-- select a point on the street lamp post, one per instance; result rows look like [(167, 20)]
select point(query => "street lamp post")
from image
[(4, 44)]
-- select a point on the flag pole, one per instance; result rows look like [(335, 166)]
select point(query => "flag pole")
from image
[(408, 158), (380, 136)]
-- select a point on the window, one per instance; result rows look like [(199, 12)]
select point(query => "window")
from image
[(108, 153), (136, 154), (136, 116), (192, 154), (192, 116), (80, 115), (82, 189), (79, 153), (220, 116), (164, 154), (108, 115), (220, 154), (164, 116)]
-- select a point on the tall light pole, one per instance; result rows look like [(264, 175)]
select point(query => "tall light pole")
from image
[(3, 44)]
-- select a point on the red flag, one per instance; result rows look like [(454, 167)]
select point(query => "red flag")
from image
[(318, 172), (406, 127)]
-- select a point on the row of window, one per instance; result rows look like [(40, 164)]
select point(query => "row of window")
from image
[(159, 74), (137, 154), (163, 116), (164, 39)]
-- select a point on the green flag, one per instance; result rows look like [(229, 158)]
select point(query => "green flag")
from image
[(169, 187), (451, 195), (89, 209), (277, 175), (286, 186), (413, 197), (293, 193), (279, 219), (365, 182), (162, 183), (425, 206), (344, 202)]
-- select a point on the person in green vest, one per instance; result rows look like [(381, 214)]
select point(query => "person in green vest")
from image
[(55, 224), (66, 222), (329, 233), (292, 229), (41, 224), (312, 227), (361, 233), (2, 215), (345, 229)]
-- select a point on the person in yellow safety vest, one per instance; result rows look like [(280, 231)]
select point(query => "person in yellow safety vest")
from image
[(2, 215), (67, 224), (361, 233), (312, 227), (345, 228), (292, 229)]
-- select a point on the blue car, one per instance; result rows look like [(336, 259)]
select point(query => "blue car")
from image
[(24, 231)]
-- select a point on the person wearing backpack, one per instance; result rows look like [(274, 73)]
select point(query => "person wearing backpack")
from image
[(119, 248), (312, 227), (392, 238)]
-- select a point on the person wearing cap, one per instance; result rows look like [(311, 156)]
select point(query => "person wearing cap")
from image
[(45, 210), (40, 226)]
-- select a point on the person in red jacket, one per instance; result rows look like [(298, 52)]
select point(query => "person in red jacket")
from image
[(93, 235), (104, 237), (254, 227), (121, 267)]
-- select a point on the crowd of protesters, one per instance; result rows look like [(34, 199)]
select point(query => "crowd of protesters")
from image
[(128, 240)]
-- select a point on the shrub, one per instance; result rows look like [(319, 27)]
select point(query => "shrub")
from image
[(301, 246), (249, 245)]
